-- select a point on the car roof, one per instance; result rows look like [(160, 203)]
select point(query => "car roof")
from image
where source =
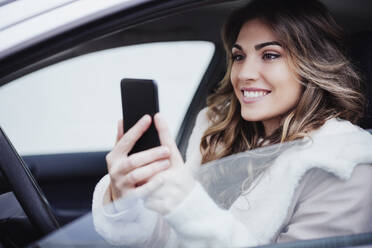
[(22, 10), (31, 21)]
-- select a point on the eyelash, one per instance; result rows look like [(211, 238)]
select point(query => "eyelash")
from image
[(270, 56), (265, 56), (235, 57)]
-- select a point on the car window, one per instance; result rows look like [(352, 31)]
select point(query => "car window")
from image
[(74, 105)]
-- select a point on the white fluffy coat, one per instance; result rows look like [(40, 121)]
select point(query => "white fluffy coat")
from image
[(337, 147)]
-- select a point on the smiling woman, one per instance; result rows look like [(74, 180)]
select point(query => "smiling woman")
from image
[(305, 76), (287, 80), (263, 81)]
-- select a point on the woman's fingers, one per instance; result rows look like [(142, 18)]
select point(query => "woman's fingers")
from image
[(165, 135), (120, 131), (166, 139), (144, 173), (148, 156), (122, 183), (146, 189), (126, 143), (143, 158)]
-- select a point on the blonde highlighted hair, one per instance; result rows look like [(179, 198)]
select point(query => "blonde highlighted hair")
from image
[(313, 43)]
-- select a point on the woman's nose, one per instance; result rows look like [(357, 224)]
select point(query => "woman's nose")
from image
[(249, 70)]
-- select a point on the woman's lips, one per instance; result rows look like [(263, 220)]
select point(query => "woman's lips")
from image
[(251, 95)]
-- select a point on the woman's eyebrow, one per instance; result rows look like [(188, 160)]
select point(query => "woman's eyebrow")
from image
[(270, 43), (259, 46), (237, 46)]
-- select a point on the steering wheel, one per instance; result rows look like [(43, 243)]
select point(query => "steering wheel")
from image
[(25, 187)]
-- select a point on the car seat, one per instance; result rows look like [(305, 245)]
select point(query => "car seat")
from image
[(360, 53)]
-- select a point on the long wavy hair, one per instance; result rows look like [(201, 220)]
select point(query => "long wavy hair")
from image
[(314, 45)]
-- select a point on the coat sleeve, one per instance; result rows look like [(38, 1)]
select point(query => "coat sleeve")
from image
[(325, 205), (199, 222), (131, 224)]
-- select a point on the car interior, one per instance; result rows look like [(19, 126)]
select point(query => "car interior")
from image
[(41, 193)]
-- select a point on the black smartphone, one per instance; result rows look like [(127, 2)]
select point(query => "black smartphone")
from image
[(140, 97)]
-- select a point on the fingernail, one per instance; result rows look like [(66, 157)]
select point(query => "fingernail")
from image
[(145, 118), (159, 116)]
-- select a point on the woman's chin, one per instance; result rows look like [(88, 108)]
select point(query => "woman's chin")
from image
[(251, 118), (252, 115)]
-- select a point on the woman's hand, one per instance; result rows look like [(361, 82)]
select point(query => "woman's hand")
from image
[(167, 189), (127, 172), (164, 180), (174, 185)]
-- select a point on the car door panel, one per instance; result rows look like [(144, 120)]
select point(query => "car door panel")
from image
[(68, 180)]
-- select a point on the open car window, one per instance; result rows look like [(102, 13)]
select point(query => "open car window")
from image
[(73, 106)]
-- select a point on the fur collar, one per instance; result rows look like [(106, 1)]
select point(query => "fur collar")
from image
[(337, 147)]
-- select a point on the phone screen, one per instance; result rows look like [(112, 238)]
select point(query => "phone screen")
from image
[(140, 97)]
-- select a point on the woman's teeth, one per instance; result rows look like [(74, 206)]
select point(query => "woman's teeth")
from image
[(252, 94)]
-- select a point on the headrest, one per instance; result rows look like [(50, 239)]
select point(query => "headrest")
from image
[(360, 53)]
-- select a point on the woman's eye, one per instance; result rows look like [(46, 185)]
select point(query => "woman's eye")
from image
[(237, 57), (270, 56)]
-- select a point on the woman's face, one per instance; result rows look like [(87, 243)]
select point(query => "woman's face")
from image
[(263, 81)]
